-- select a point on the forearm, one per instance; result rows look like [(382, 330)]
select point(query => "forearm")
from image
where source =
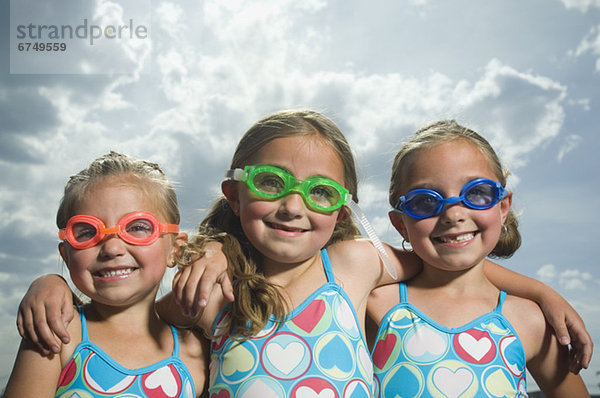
[(516, 284)]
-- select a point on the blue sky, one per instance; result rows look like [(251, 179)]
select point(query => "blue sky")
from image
[(525, 74)]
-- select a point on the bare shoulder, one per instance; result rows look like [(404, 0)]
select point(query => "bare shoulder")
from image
[(355, 253), (547, 361), (528, 320)]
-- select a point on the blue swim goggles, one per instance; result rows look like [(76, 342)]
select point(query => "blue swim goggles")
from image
[(479, 194), (269, 182)]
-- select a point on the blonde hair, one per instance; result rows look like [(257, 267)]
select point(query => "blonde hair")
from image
[(145, 175), (441, 132), (256, 298)]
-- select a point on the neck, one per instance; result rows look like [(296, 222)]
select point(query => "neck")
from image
[(459, 281), (283, 274), (142, 313)]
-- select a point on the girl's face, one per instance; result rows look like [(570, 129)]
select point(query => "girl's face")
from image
[(285, 231), (458, 237), (114, 272)]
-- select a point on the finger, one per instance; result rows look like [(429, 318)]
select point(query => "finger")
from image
[(37, 331), (193, 289), (27, 329), (20, 327), (585, 350), (227, 287), (582, 345), (58, 319), (43, 331), (574, 363), (206, 284), (179, 289), (562, 333)]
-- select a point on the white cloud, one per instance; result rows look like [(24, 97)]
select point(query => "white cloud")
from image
[(547, 273), (570, 143), (570, 279), (573, 279), (590, 44), (581, 5)]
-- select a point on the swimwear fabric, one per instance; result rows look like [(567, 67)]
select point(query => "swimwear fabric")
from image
[(91, 373), (318, 351), (417, 357)]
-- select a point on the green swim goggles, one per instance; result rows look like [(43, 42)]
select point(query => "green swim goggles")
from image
[(269, 182)]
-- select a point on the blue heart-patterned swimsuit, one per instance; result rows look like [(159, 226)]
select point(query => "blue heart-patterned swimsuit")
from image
[(417, 357), (319, 349), (91, 373)]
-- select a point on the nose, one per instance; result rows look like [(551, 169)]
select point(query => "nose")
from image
[(292, 205), (112, 246), (453, 212)]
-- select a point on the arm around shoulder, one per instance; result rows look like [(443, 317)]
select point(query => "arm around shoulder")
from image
[(547, 360), (566, 322)]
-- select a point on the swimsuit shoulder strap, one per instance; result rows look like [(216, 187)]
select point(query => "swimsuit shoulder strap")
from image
[(175, 341), (327, 265), (500, 301), (403, 298), (84, 332)]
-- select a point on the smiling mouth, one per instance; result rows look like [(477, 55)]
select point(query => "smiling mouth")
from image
[(285, 227), (455, 238), (114, 272)]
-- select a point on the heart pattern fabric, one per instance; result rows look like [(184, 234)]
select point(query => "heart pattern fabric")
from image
[(417, 357)]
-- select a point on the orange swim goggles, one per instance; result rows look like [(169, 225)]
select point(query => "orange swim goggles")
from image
[(140, 228)]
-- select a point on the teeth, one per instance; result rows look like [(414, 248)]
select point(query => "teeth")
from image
[(117, 272), (457, 239)]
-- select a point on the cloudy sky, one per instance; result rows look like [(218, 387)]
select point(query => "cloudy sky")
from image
[(525, 74)]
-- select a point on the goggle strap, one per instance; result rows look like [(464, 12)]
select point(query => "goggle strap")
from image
[(169, 228), (362, 220), (235, 174)]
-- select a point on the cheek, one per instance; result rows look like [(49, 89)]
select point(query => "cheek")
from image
[(252, 210), (79, 259), (416, 229)]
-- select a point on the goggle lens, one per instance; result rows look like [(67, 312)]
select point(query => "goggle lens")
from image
[(268, 183), (482, 194), (479, 194), (271, 182), (139, 228), (423, 204)]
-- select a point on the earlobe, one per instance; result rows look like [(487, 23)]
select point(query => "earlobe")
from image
[(230, 190), (397, 222)]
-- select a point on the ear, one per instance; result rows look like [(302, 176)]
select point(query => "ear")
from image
[(177, 247), (344, 214), (230, 190), (62, 249), (505, 205), (398, 223)]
